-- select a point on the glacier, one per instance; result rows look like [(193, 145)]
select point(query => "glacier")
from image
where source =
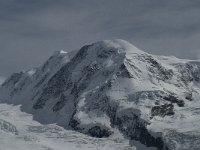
[(19, 131)]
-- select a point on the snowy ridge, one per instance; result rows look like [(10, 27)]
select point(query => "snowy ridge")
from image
[(109, 85)]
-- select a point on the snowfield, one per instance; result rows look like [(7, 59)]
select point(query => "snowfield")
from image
[(18, 131)]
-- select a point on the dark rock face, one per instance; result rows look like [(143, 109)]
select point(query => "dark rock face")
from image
[(174, 99), (106, 53), (193, 69), (136, 129), (16, 82), (20, 85), (186, 73), (163, 110), (74, 123), (60, 104), (189, 97), (90, 70), (61, 81), (196, 74), (15, 77), (123, 72), (99, 132), (190, 72), (158, 70), (111, 112), (42, 80)]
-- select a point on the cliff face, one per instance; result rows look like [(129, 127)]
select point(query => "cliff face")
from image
[(109, 85)]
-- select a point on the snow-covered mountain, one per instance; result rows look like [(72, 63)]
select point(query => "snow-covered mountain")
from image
[(112, 85)]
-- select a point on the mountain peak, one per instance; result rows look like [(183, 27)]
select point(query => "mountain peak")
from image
[(59, 53), (120, 45)]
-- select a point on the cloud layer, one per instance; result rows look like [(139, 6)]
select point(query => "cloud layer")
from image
[(31, 30)]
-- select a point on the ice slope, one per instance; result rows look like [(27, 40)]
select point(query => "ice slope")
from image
[(112, 84)]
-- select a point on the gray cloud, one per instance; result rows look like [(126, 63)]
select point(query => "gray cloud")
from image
[(31, 30), (2, 79)]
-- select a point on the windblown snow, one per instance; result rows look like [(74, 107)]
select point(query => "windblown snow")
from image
[(112, 87)]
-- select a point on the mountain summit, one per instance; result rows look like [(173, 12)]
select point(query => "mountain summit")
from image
[(112, 85)]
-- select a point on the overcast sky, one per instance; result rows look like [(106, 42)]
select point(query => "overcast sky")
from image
[(30, 30)]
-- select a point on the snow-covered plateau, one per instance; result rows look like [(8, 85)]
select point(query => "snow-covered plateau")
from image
[(109, 92)]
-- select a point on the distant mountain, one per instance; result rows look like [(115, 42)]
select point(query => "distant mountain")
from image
[(112, 85)]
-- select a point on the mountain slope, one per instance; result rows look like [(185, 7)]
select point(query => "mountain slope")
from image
[(112, 84)]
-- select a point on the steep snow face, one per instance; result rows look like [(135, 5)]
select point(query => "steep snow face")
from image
[(112, 84)]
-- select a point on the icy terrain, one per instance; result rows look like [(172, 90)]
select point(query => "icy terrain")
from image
[(112, 86), (18, 131)]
